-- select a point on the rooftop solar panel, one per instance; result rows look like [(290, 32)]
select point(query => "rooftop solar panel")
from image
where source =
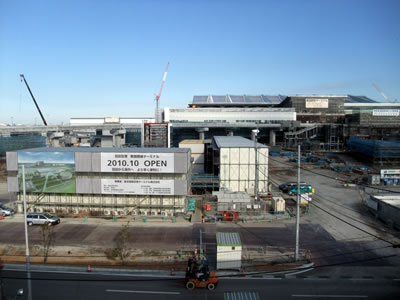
[(237, 99), (200, 99), (273, 99), (254, 99), (220, 99)]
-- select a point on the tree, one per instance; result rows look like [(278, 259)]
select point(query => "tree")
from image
[(47, 239), (124, 237)]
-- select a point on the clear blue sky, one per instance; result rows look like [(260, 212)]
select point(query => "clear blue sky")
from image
[(107, 58)]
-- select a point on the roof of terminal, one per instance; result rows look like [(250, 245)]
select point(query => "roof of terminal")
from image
[(263, 100), (235, 142), (238, 100), (98, 149), (358, 99)]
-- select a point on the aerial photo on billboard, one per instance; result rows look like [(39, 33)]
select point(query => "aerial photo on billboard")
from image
[(47, 172)]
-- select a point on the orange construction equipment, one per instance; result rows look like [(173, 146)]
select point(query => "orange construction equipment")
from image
[(198, 275)]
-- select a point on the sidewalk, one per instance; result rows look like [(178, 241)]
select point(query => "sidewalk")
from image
[(114, 221)]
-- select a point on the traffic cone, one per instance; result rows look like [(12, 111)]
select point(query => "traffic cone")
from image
[(88, 268), (172, 272)]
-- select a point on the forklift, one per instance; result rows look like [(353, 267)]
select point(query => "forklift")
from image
[(198, 274)]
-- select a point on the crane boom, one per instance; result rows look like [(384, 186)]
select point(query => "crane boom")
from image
[(157, 97), (381, 92), (37, 106), (162, 83)]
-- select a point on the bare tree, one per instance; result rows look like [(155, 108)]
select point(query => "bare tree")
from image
[(47, 240), (124, 237)]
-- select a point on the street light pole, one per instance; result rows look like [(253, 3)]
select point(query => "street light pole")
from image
[(28, 259), (298, 205), (256, 131)]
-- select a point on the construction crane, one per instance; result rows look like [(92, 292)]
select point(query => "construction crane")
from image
[(37, 106), (157, 97), (381, 92)]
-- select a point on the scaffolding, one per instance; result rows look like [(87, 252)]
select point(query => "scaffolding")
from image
[(383, 152), (156, 134), (14, 143)]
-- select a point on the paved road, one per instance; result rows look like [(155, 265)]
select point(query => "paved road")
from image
[(92, 286), (324, 248)]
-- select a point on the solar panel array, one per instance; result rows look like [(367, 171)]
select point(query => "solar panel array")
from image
[(236, 99)]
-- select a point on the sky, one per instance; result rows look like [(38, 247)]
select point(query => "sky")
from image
[(96, 58)]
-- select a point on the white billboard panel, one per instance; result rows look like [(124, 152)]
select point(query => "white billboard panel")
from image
[(386, 112), (137, 162), (390, 173), (137, 186), (317, 103)]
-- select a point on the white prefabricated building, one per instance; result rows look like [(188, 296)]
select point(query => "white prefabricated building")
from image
[(229, 250), (237, 167), (197, 150)]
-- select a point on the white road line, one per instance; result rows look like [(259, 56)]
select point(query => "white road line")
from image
[(331, 296), (299, 272), (252, 278), (143, 292), (98, 273)]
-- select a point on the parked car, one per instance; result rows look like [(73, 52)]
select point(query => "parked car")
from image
[(42, 218), (289, 185), (304, 189), (6, 211)]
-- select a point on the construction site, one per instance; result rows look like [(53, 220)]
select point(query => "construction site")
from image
[(224, 164)]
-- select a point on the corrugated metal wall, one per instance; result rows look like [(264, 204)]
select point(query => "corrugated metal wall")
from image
[(237, 169)]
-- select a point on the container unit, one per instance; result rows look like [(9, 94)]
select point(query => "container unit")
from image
[(197, 149), (235, 161), (386, 208), (278, 205), (374, 179), (238, 201), (116, 181), (229, 250)]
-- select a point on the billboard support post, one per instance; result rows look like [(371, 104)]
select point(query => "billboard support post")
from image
[(28, 259)]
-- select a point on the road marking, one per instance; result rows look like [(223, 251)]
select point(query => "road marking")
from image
[(252, 278), (331, 296), (299, 272), (143, 292), (97, 273)]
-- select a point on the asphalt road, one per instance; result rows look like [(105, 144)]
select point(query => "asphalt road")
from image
[(324, 248), (91, 286)]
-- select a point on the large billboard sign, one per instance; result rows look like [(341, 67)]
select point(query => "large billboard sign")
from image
[(137, 162), (386, 112), (47, 172), (390, 173), (317, 103), (137, 186)]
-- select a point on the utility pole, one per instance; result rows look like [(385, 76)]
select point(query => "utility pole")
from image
[(298, 205), (28, 259), (256, 131)]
